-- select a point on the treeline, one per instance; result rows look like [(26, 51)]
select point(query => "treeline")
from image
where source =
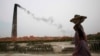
[(94, 36), (94, 40)]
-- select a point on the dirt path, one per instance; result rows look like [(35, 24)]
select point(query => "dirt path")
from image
[(22, 54)]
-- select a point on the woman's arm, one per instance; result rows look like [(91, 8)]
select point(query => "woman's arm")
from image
[(79, 29)]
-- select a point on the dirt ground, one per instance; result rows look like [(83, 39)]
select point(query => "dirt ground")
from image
[(22, 54)]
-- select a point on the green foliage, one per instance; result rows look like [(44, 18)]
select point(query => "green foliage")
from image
[(95, 46), (97, 37), (3, 46), (93, 37)]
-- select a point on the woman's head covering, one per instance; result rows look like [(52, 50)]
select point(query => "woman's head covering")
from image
[(78, 17)]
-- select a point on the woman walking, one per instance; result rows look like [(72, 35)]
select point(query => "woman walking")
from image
[(81, 45)]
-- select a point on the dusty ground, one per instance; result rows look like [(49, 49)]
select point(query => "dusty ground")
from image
[(22, 54)]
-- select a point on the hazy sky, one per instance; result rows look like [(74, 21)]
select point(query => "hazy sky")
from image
[(49, 17)]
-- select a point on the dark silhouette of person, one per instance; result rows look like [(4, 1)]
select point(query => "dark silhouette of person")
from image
[(80, 39)]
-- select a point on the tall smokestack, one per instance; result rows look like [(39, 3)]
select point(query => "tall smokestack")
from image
[(14, 23)]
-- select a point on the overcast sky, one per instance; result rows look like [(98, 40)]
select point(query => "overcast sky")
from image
[(49, 17)]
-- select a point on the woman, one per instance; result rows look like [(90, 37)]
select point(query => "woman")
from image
[(81, 45)]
